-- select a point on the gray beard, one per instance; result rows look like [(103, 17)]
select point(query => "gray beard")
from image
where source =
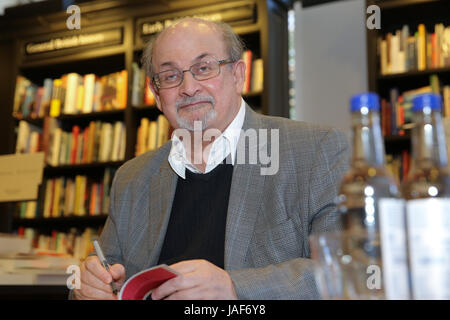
[(201, 124)]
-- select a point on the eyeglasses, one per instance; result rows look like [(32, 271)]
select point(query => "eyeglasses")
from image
[(203, 70)]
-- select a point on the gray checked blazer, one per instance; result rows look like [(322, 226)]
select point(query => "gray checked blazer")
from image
[(269, 220)]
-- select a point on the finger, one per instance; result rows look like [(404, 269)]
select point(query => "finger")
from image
[(87, 277), (117, 272), (94, 265), (186, 266), (89, 292), (169, 287)]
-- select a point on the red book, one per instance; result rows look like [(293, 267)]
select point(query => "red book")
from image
[(73, 152), (149, 98), (248, 70), (141, 285), (400, 116), (85, 145), (21, 231), (93, 199)]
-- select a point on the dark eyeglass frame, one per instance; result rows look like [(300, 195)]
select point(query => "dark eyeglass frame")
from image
[(157, 82)]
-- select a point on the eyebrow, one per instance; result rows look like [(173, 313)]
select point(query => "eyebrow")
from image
[(199, 57)]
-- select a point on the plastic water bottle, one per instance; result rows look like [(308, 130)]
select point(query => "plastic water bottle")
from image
[(374, 253), (427, 193)]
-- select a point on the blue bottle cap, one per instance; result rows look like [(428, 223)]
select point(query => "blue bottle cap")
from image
[(369, 100), (430, 100)]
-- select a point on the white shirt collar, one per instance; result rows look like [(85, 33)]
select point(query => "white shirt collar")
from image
[(222, 147)]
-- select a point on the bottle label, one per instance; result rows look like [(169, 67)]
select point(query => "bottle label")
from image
[(393, 248), (428, 222)]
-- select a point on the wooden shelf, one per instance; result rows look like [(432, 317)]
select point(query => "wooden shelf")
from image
[(146, 111), (36, 121), (427, 72), (80, 59), (109, 115), (77, 168), (98, 115), (61, 222), (253, 94), (395, 4)]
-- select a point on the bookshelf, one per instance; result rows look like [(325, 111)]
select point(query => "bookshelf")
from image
[(408, 54), (40, 47)]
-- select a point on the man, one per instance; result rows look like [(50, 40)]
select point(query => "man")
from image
[(231, 229)]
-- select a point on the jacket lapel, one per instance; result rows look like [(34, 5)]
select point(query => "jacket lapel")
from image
[(247, 187), (162, 192)]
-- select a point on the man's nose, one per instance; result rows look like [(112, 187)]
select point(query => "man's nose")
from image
[(189, 86)]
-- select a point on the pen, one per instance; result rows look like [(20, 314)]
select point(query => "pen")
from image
[(102, 258)]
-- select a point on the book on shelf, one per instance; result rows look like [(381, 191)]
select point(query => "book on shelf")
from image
[(75, 244), (114, 91), (141, 93), (257, 76), (27, 209), (74, 82), (410, 50), (396, 111), (97, 142), (29, 138), (399, 165), (149, 98), (254, 73), (446, 125), (105, 188), (152, 134), (57, 100), (446, 100), (72, 93), (75, 196), (247, 58), (19, 95)]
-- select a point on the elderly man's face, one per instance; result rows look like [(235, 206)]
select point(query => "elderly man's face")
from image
[(214, 101)]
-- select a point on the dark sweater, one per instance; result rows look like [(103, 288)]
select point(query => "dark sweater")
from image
[(197, 222)]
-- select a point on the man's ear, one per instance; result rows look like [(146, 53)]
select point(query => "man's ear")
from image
[(239, 75), (155, 94)]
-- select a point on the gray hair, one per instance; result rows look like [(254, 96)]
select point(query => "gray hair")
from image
[(233, 43)]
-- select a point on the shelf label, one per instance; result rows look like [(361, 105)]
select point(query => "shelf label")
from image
[(75, 41), (229, 13), (20, 176)]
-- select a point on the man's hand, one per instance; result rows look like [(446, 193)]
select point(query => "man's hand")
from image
[(199, 280), (95, 280)]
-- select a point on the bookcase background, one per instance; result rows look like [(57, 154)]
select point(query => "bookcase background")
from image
[(394, 15), (261, 23)]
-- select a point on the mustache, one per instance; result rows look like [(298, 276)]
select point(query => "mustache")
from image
[(194, 99)]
